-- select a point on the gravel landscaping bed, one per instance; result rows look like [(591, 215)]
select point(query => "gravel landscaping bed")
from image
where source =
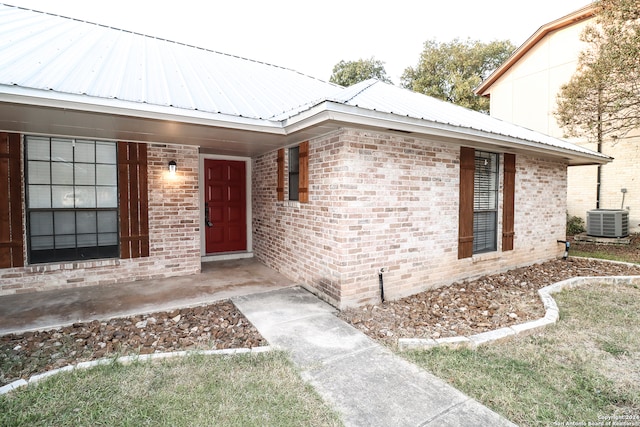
[(461, 309), (472, 307), (216, 326)]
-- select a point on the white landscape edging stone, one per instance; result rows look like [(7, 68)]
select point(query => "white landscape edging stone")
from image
[(7, 388), (552, 314), (125, 360)]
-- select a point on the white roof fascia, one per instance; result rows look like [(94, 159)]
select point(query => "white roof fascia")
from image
[(322, 112), (51, 99), (351, 115)]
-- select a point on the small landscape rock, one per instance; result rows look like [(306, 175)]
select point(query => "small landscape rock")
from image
[(141, 324)]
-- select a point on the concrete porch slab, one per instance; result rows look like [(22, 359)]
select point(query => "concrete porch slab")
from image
[(218, 280)]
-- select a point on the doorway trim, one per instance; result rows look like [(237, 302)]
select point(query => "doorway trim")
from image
[(229, 255)]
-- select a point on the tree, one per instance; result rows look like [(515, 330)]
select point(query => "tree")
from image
[(602, 99), (347, 73), (451, 71)]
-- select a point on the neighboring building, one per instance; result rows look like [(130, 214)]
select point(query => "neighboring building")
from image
[(524, 91), (324, 184)]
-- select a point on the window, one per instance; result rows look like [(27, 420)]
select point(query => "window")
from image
[(478, 224), (294, 173), (298, 173), (72, 199), (485, 202)]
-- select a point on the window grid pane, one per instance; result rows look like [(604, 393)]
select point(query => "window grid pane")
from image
[(39, 172), (72, 208), (484, 232)]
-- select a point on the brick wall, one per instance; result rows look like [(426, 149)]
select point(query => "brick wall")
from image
[(173, 229), (380, 200), (621, 173), (304, 241)]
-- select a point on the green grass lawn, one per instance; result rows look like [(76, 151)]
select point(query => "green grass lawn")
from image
[(602, 254), (241, 390), (582, 369), (612, 252)]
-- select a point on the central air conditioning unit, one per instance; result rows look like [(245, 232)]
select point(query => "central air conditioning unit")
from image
[(608, 223)]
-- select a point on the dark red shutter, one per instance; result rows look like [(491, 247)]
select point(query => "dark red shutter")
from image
[(508, 201), (11, 240), (280, 187), (134, 203), (303, 170), (465, 221)]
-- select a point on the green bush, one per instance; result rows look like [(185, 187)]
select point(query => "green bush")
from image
[(575, 225)]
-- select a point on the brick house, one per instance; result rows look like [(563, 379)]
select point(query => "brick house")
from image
[(125, 157), (523, 91)]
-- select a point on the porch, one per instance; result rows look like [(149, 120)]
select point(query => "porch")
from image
[(218, 280)]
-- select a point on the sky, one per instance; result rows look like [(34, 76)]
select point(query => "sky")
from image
[(313, 36)]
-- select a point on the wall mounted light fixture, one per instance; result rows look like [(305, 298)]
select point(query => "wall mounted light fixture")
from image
[(172, 166)]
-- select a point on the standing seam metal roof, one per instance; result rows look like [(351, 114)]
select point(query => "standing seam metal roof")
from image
[(49, 52)]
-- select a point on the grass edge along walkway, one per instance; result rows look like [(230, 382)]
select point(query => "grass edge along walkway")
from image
[(247, 389), (585, 368)]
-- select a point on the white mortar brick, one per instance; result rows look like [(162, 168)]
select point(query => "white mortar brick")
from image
[(381, 200), (174, 236)]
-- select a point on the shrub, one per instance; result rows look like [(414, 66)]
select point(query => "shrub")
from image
[(575, 225)]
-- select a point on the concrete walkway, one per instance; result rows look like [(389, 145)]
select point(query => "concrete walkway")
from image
[(364, 381)]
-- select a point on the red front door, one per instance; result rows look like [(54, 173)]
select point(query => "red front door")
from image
[(225, 206)]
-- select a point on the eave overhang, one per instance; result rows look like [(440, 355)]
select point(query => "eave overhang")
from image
[(33, 111), (350, 116)]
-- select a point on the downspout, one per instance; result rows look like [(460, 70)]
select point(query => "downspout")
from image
[(598, 182), (599, 130)]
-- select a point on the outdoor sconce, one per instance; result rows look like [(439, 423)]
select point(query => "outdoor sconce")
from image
[(172, 167)]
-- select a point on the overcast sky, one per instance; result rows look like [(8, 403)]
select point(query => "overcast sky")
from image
[(312, 36)]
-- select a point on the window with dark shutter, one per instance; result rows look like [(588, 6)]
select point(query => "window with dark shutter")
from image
[(477, 224), (134, 205), (508, 207), (297, 173), (11, 241)]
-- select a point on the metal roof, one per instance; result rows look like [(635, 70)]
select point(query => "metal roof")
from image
[(49, 52), (378, 96), (49, 62)]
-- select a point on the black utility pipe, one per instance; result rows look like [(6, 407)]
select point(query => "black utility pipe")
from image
[(567, 245), (599, 129), (381, 281), (598, 186)]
